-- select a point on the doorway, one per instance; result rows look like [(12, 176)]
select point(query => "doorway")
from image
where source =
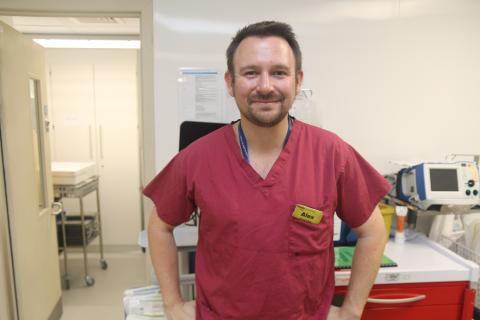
[(100, 128)]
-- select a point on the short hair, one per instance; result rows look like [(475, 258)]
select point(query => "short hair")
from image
[(265, 29)]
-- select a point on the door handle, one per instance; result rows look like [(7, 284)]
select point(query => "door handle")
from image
[(90, 147), (397, 301), (57, 207)]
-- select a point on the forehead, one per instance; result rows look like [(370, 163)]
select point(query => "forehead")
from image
[(263, 51)]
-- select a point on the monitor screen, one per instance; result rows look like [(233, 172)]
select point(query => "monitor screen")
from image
[(443, 180)]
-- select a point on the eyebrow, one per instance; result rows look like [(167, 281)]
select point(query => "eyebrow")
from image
[(275, 66)]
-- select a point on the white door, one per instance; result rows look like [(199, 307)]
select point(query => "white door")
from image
[(27, 177)]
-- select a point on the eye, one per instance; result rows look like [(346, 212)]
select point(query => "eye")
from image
[(250, 73), (279, 73)]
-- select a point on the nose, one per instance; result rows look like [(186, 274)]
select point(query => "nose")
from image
[(264, 84)]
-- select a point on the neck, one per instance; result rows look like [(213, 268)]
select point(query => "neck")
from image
[(262, 139)]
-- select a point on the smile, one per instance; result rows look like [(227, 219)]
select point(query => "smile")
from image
[(265, 101)]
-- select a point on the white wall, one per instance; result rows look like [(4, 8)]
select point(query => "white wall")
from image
[(396, 79)]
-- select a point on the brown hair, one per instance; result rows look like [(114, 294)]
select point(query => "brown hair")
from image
[(265, 29)]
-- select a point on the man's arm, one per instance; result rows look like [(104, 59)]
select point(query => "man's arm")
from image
[(163, 253), (366, 262)]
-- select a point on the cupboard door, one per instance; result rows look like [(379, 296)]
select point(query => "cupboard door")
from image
[(73, 109), (118, 151)]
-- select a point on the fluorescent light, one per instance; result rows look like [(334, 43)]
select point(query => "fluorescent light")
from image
[(88, 44)]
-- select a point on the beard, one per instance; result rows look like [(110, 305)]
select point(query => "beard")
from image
[(266, 121)]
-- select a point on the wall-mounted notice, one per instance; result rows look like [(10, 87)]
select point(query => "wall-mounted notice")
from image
[(202, 96), (199, 95)]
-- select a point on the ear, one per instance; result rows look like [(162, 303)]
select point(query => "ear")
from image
[(299, 81), (229, 82)]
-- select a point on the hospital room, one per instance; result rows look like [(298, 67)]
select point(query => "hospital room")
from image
[(325, 166)]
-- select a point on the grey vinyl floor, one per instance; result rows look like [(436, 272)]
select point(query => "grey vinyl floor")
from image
[(102, 301)]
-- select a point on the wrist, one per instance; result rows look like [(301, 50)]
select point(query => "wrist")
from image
[(172, 303), (348, 312)]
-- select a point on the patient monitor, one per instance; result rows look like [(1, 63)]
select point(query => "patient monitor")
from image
[(427, 184)]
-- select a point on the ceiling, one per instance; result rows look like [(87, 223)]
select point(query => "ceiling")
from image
[(75, 26)]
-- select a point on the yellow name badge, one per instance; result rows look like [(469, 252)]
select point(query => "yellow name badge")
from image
[(305, 213)]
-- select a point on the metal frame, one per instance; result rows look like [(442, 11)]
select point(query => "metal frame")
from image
[(79, 191)]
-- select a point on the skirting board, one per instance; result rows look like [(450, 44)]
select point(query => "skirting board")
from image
[(57, 310)]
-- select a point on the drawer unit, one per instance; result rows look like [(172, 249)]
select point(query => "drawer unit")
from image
[(429, 282), (417, 301)]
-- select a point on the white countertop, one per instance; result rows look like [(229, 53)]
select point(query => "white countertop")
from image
[(420, 260), (186, 237)]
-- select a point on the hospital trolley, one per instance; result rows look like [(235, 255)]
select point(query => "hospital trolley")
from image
[(87, 226)]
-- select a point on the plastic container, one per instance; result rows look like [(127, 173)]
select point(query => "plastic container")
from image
[(400, 224), (387, 213), (348, 237)]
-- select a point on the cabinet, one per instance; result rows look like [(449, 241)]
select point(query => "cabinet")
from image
[(430, 282), (94, 106)]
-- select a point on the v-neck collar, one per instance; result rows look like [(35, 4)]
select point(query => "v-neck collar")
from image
[(277, 169)]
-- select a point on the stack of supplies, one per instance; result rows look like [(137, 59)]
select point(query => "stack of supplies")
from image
[(143, 303)]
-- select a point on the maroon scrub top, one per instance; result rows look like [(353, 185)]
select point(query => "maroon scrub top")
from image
[(254, 260)]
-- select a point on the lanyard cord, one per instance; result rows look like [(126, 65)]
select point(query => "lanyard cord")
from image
[(243, 139)]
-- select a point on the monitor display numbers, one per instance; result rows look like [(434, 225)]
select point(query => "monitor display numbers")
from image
[(443, 180)]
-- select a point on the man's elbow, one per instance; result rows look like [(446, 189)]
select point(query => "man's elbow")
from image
[(373, 228), (156, 224)]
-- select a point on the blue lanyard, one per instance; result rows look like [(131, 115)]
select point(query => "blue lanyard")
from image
[(243, 139)]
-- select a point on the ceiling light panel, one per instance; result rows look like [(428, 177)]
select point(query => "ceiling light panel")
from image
[(88, 44)]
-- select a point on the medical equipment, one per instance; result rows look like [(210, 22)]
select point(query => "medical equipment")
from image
[(448, 183)]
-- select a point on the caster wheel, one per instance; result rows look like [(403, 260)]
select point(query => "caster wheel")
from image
[(104, 264), (66, 284), (89, 281)]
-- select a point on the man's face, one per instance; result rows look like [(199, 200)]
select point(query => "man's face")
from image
[(265, 82)]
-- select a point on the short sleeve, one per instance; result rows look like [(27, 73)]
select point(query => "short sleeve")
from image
[(359, 188), (171, 192)]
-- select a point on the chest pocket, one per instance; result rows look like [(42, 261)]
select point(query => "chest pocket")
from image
[(307, 238)]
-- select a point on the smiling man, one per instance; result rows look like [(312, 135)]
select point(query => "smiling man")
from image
[(267, 186)]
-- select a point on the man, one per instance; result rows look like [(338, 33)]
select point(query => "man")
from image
[(267, 186)]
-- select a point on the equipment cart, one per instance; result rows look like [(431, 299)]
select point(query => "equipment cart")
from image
[(80, 230)]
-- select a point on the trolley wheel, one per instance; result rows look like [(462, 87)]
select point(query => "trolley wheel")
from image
[(66, 283), (89, 281), (104, 264)]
